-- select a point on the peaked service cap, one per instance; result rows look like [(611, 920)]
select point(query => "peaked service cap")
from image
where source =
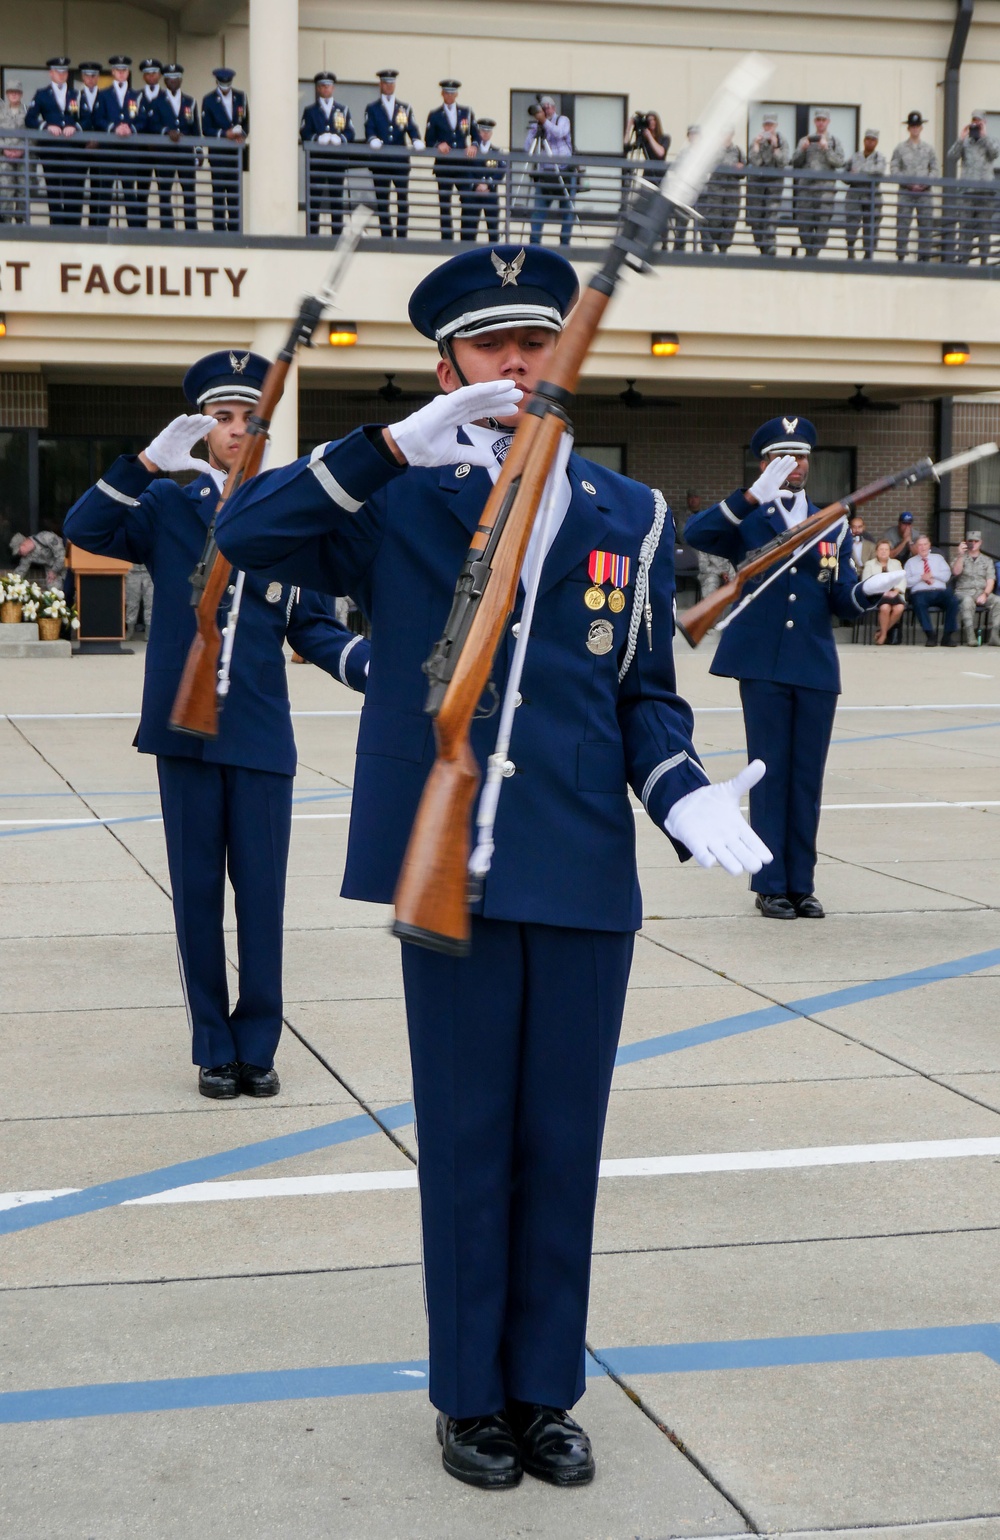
[(783, 435), (223, 74), (494, 289), (232, 374)]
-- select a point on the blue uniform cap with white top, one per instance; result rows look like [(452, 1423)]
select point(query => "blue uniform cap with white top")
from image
[(494, 288), (223, 75), (784, 436), (233, 374)]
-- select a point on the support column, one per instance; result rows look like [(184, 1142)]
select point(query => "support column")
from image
[(273, 179), (268, 338)]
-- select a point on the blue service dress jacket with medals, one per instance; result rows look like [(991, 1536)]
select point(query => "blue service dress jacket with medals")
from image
[(400, 129), (347, 521), (44, 109), (109, 112), (785, 635), (440, 131), (216, 121), (316, 121), (138, 517), (158, 116)]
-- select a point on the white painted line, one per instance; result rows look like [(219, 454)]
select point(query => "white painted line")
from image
[(917, 706), (970, 675), (125, 716), (646, 1165), (865, 807), (102, 823)]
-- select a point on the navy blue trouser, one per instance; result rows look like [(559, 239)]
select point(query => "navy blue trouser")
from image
[(789, 727), (512, 1050), (926, 599), (214, 817)]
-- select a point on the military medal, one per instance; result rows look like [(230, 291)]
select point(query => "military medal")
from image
[(604, 567), (594, 598), (827, 559), (600, 637), (616, 601), (273, 595)]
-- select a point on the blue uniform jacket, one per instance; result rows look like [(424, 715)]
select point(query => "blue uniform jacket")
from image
[(440, 131), (138, 517), (402, 129), (43, 109), (488, 167), (395, 539), (108, 114), (85, 111), (315, 122), (785, 635), (159, 117), (215, 120)]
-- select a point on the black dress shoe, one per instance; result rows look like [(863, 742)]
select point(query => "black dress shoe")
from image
[(808, 906), (950, 639), (775, 906), (255, 1081), (481, 1451), (222, 1081), (553, 1447), (931, 640)]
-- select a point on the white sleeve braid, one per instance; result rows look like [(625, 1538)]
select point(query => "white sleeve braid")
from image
[(640, 598)]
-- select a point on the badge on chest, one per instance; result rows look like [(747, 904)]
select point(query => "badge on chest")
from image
[(827, 559)]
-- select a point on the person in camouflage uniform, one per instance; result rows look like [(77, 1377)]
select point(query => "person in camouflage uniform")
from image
[(721, 199), (863, 209), (818, 151), (12, 113), (975, 580), (769, 153), (40, 558), (912, 162), (138, 591), (976, 153)]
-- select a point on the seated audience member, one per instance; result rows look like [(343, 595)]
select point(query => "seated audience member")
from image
[(902, 539), (975, 581), (892, 603), (862, 544), (927, 575)]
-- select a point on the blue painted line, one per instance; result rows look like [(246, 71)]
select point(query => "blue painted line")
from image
[(169, 1395), (777, 1015), (246, 1157), (112, 822), (916, 732)]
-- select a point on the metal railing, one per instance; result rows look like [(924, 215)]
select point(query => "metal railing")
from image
[(142, 181), (420, 195)]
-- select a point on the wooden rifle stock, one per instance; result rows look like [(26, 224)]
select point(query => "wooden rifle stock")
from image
[(703, 616)]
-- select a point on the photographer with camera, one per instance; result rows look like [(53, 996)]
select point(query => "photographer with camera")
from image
[(646, 137), (550, 138), (818, 151), (975, 152), (770, 153)]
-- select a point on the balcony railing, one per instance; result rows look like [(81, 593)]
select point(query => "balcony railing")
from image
[(137, 182)]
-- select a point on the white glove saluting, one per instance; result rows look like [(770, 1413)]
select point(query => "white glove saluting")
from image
[(771, 479), (709, 822), (430, 436), (171, 449), (881, 582)]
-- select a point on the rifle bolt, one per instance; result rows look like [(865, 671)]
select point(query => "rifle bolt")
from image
[(518, 698), (515, 629), (231, 589)]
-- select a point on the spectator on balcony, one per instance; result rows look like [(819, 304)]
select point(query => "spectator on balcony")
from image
[(56, 109), (975, 582), (769, 154), (12, 184), (550, 138), (646, 135), (892, 603), (453, 132), (326, 123), (722, 197), (115, 114), (225, 114), (175, 118), (927, 576), (90, 90), (975, 154), (391, 128), (912, 163), (863, 209), (817, 152), (488, 172), (902, 539), (149, 159), (862, 546)]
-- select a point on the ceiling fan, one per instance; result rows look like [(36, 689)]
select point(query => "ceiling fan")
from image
[(392, 392), (634, 399), (859, 402)]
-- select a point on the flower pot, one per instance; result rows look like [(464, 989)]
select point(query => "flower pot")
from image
[(49, 627), (10, 612)]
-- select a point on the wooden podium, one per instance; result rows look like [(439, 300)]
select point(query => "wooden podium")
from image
[(100, 599)]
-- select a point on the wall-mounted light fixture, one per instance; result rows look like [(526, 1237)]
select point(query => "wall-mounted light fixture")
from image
[(343, 334), (954, 353), (3, 325), (664, 344)]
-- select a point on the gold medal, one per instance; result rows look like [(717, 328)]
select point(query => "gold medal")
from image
[(616, 601), (594, 598), (600, 637)]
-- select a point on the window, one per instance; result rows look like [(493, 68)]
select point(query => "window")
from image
[(831, 474), (984, 502), (597, 119), (611, 456), (68, 465), (795, 120), (15, 497)]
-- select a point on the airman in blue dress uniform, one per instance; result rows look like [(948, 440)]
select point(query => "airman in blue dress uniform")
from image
[(452, 131), (390, 124), (116, 114), (226, 800), (782, 651), (173, 117), (56, 109), (512, 1047), (225, 115), (487, 177), (326, 122), (89, 71)]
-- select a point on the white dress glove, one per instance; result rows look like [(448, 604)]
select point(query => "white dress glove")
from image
[(772, 478), (335, 139), (418, 144), (171, 449), (709, 822), (881, 582), (376, 144), (430, 436), (326, 139)]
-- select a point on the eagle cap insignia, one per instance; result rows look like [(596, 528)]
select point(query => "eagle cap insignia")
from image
[(238, 364), (508, 272), (789, 424)]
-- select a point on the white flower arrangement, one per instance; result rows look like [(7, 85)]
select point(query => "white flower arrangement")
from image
[(52, 604), (14, 589), (29, 609)]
